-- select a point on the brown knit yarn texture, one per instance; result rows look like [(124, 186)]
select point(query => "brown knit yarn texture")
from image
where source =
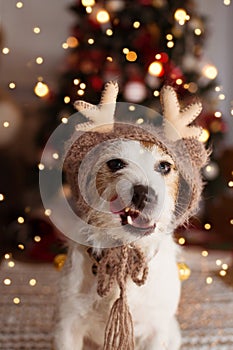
[(117, 265)]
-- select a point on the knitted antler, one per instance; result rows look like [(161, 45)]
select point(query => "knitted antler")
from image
[(176, 121), (101, 114)]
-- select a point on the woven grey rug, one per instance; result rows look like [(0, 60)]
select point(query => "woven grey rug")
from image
[(205, 314)]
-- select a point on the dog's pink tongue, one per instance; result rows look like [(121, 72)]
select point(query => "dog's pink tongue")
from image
[(116, 205), (141, 222)]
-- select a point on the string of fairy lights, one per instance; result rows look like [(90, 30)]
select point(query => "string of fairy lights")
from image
[(155, 69)]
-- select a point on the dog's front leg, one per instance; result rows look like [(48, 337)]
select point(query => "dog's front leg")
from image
[(68, 336), (168, 338)]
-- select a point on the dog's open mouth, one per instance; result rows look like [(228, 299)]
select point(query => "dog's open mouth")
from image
[(131, 217)]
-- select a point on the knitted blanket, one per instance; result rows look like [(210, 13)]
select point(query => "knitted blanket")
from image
[(205, 312)]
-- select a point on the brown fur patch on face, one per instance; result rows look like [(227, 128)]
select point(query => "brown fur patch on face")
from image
[(147, 144), (104, 178)]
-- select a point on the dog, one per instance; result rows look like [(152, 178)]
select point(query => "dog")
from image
[(132, 186)]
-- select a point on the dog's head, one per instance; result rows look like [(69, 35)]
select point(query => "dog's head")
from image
[(131, 181)]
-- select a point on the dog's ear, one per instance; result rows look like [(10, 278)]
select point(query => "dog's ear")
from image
[(178, 125), (101, 117)]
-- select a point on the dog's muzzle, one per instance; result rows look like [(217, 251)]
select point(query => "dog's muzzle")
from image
[(134, 217)]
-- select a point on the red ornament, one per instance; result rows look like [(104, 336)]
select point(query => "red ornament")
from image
[(96, 83)]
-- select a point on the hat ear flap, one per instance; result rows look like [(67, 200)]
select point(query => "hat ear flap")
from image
[(198, 154)]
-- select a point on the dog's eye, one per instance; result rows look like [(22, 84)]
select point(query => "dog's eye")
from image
[(116, 164), (164, 168)]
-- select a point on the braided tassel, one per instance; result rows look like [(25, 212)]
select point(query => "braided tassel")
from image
[(117, 265)]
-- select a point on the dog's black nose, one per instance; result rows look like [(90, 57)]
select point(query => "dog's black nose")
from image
[(143, 195)]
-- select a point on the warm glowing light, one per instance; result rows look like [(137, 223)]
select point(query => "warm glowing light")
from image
[(89, 9), (204, 136), (227, 2), (80, 92), (222, 273), (6, 124), (72, 42), (170, 44), (41, 89), (221, 97), (156, 69), (158, 56), (55, 155), (197, 31), (19, 5), (20, 220), (181, 240), (218, 262), (192, 88), (231, 221), (32, 282), (7, 256), (65, 46), (131, 56), (64, 120), (102, 16), (169, 37), (230, 183), (5, 50), (184, 271), (88, 3), (37, 239), (232, 111), (41, 166), (209, 280), (225, 266), (210, 71), (39, 60), (109, 58), (156, 93), (36, 30), (125, 50), (76, 81), (48, 212), (181, 16), (140, 121), (11, 264), (136, 24), (21, 246), (179, 81), (66, 99), (218, 88), (1, 197), (7, 281), (16, 300), (207, 226), (91, 41), (218, 114), (109, 32), (204, 253), (132, 108), (12, 85), (83, 86)]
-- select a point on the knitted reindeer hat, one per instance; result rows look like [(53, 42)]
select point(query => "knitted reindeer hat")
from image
[(175, 136)]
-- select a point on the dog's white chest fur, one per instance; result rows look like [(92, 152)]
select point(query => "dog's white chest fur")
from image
[(153, 306)]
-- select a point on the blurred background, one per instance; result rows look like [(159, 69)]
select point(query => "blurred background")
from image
[(55, 52)]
